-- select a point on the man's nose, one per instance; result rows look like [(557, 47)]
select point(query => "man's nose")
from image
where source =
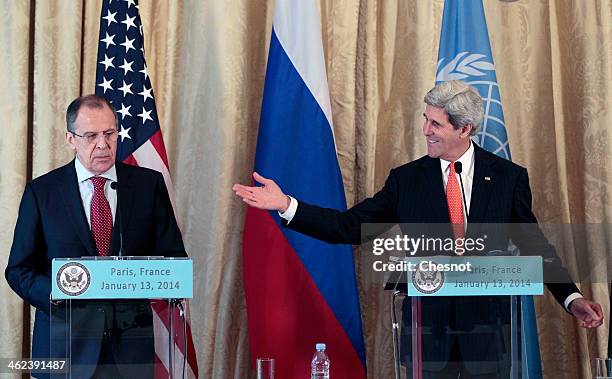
[(101, 141), (426, 128)]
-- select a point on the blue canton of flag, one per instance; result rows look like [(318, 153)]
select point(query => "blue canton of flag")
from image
[(122, 77), (465, 54)]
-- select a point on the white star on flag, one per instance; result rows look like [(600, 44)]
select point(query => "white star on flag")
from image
[(107, 62), (129, 22), (145, 72), (106, 84), (126, 66), (129, 44), (108, 40), (145, 115), (130, 3), (124, 133), (146, 93), (110, 17), (125, 111), (126, 88)]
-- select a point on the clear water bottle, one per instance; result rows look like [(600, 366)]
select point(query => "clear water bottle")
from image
[(320, 363)]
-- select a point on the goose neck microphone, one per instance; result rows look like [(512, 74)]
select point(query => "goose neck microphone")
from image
[(458, 170)]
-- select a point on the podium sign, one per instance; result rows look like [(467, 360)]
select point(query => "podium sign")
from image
[(101, 317), (474, 276), (122, 278)]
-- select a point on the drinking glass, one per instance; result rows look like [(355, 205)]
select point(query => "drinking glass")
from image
[(602, 368), (265, 368)]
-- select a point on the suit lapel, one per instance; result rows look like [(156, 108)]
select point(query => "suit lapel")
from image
[(482, 186), (125, 198), (68, 186), (433, 187)]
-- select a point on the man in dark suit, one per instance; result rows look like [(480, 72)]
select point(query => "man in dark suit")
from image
[(427, 191), (72, 212)]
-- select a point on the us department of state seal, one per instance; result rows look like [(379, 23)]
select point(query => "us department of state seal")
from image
[(427, 282), (73, 279)]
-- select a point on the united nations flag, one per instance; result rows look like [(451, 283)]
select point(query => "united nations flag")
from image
[(465, 54)]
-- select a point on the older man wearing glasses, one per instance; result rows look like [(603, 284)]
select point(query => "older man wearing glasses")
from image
[(72, 212)]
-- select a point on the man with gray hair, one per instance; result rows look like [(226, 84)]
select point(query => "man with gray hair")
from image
[(73, 212), (461, 102), (427, 191)]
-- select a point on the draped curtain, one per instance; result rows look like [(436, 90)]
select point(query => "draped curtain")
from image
[(207, 62)]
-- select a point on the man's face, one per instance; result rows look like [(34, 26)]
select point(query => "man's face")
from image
[(443, 140), (96, 155)]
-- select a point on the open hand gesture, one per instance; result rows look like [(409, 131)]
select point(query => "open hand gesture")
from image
[(269, 196)]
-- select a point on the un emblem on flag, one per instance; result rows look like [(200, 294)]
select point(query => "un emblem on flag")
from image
[(478, 71)]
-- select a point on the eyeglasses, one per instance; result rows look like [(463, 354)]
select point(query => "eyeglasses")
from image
[(91, 138)]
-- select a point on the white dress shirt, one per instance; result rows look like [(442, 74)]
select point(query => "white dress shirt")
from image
[(86, 188)]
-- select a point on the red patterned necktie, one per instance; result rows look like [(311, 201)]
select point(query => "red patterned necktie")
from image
[(101, 217), (455, 203)]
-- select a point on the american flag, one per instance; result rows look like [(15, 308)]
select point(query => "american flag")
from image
[(123, 79)]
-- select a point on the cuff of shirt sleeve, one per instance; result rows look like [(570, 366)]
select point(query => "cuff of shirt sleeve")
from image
[(571, 298), (290, 212)]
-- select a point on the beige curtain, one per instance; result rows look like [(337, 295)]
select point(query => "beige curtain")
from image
[(207, 62)]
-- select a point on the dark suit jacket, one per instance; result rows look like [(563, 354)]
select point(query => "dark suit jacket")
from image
[(414, 193), (52, 224)]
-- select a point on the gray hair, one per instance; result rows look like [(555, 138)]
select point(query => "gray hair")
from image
[(87, 101), (461, 102)]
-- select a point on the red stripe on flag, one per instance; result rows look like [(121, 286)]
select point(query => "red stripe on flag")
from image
[(287, 314), (161, 308), (130, 160), (157, 140), (160, 370)]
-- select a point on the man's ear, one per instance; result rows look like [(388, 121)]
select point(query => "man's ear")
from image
[(70, 140), (466, 130)]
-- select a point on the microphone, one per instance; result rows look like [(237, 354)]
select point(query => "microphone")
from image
[(458, 170), (115, 186)]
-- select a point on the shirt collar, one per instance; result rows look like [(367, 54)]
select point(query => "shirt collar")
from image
[(83, 174), (467, 160)]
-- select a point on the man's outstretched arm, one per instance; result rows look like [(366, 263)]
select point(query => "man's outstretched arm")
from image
[(326, 224)]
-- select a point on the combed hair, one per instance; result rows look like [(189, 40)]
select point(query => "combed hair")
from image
[(87, 101), (460, 101)]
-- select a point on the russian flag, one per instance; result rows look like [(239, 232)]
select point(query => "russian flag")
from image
[(299, 291)]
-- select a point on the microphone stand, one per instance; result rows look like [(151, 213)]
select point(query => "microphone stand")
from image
[(115, 187)]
